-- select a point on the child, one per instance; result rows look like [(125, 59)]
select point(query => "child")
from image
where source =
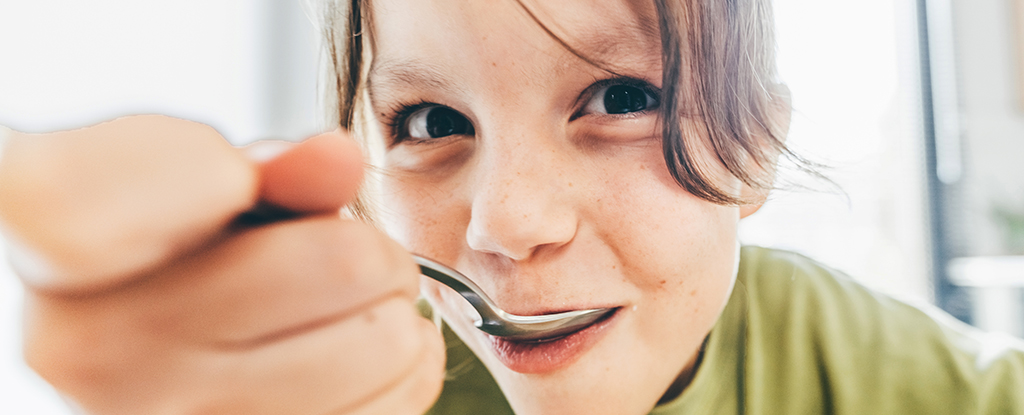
[(570, 156)]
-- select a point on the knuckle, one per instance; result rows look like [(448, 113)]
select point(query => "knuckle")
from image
[(372, 254), (431, 380), (289, 278), (357, 363), (400, 328), (413, 381)]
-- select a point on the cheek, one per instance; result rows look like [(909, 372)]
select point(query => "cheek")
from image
[(687, 289), (424, 217), (658, 228), (677, 250)]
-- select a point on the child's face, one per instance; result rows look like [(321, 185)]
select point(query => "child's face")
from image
[(542, 178)]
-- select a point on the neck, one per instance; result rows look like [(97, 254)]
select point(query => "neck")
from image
[(685, 377)]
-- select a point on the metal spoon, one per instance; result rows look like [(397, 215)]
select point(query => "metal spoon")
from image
[(493, 320), (496, 322)]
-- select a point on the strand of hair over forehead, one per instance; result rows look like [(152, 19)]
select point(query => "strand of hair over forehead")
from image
[(341, 27), (731, 76), (735, 95), (734, 117), (340, 24)]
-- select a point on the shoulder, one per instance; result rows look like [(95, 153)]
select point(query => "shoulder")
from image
[(791, 288), (874, 353)]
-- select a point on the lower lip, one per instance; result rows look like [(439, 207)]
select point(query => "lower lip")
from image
[(549, 355)]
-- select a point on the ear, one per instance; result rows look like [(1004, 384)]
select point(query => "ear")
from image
[(747, 210), (751, 194), (781, 108)]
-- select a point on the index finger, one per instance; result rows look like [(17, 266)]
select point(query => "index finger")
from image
[(320, 174)]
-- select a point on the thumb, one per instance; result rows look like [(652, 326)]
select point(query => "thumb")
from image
[(95, 207), (320, 174)]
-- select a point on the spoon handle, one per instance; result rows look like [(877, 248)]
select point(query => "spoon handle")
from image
[(461, 284)]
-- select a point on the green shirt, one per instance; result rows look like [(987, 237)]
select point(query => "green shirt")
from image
[(799, 338)]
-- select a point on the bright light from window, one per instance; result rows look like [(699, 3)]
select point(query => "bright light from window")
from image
[(852, 70)]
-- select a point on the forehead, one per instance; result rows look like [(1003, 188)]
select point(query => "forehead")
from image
[(429, 35)]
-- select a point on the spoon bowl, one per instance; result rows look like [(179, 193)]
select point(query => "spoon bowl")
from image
[(497, 322)]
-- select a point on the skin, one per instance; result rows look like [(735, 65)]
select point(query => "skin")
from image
[(547, 206), (144, 296)]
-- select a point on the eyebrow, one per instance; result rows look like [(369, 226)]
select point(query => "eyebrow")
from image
[(594, 46), (397, 74), (607, 51)]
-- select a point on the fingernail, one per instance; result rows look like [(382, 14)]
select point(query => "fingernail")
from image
[(5, 134), (28, 265), (263, 151)]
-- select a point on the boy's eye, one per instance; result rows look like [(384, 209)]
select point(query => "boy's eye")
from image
[(620, 99), (436, 122)]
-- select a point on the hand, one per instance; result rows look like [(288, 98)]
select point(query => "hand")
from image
[(146, 296)]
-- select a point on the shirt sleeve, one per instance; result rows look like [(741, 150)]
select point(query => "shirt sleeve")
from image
[(999, 361)]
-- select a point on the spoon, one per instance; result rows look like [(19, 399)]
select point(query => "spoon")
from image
[(493, 320), (497, 322)]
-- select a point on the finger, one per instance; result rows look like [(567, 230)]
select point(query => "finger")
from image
[(280, 280), (92, 207), (264, 285), (415, 392), (319, 174), (352, 364), (349, 364)]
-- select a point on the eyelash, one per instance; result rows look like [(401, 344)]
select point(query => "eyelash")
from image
[(588, 94), (396, 118), (398, 114)]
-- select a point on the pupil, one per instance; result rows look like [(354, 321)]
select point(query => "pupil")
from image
[(443, 122), (622, 99)]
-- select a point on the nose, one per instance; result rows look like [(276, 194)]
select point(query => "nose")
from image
[(522, 199)]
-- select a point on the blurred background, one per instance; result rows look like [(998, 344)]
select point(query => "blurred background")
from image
[(916, 106)]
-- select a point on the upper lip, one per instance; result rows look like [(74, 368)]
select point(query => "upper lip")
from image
[(509, 288)]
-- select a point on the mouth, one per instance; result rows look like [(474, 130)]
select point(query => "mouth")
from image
[(553, 353)]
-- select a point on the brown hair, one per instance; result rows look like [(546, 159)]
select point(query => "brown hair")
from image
[(719, 73)]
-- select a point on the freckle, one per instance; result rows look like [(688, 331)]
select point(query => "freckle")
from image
[(693, 293), (615, 267), (663, 282)]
